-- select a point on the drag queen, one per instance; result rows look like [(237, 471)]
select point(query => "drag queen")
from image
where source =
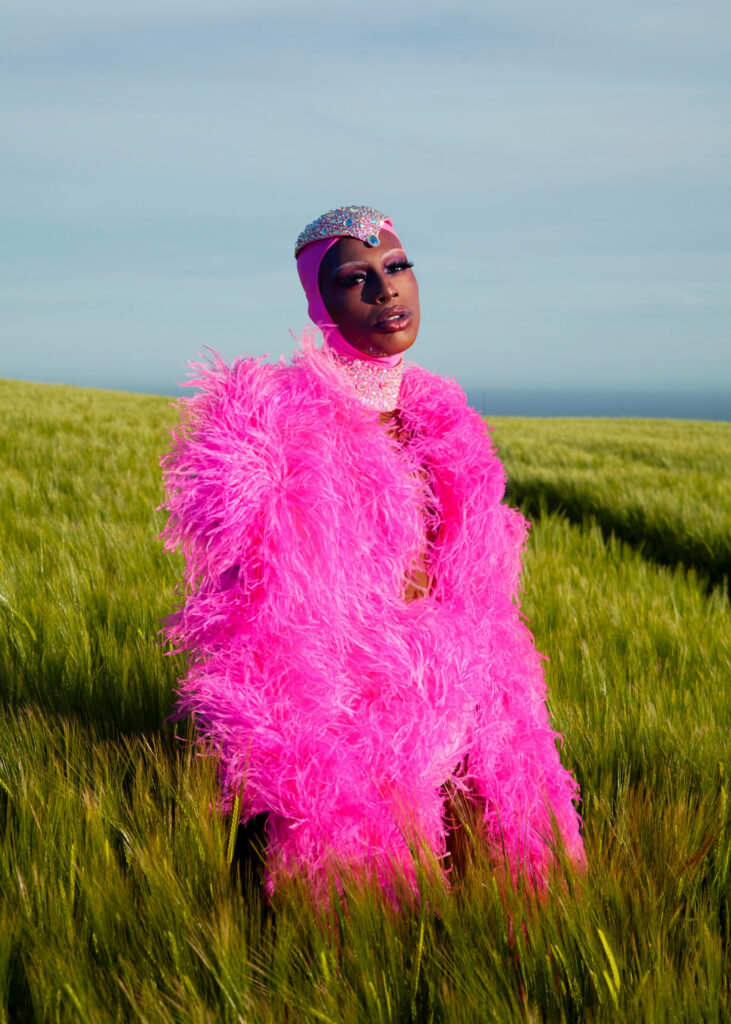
[(356, 650)]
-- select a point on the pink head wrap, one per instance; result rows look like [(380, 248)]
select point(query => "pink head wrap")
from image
[(357, 222)]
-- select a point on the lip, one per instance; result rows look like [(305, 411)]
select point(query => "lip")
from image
[(392, 319)]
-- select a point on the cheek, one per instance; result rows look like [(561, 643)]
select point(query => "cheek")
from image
[(347, 313), (351, 308), (339, 306), (416, 308)]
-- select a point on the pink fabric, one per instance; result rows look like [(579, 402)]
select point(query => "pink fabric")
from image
[(308, 267), (333, 705)]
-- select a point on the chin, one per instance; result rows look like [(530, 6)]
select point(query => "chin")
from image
[(394, 346)]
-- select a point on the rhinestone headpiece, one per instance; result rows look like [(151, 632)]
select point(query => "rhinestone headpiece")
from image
[(361, 222)]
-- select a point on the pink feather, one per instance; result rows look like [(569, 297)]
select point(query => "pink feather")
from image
[(333, 705)]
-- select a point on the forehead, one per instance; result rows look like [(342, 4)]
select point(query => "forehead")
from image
[(352, 250)]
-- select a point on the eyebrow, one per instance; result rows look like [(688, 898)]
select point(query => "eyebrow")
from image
[(362, 263)]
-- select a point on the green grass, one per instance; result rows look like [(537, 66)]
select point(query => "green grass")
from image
[(117, 899), (661, 485)]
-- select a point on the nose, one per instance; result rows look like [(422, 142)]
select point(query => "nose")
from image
[(385, 288)]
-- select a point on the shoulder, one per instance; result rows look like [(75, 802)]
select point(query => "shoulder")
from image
[(439, 405), (250, 391), (254, 435), (452, 437)]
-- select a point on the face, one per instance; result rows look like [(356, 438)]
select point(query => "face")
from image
[(371, 294)]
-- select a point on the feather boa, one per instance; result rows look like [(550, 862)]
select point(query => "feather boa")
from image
[(333, 705)]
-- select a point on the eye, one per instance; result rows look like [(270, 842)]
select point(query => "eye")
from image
[(398, 265), (351, 280)]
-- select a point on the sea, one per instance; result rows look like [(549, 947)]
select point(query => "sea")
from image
[(676, 404), (680, 405)]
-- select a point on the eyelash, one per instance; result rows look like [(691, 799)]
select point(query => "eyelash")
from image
[(358, 277)]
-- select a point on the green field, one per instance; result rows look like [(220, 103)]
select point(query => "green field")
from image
[(118, 899)]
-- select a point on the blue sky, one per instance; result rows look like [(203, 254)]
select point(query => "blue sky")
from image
[(559, 171)]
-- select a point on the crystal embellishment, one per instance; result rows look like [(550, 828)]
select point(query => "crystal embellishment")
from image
[(361, 222), (376, 386)]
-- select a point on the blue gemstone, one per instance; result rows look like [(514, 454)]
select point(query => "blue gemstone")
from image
[(348, 222), (372, 240)]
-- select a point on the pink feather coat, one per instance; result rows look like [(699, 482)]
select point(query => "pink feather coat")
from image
[(333, 705)]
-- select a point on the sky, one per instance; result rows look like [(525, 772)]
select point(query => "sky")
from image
[(558, 170)]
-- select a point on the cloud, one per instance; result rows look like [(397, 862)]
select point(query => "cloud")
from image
[(159, 157)]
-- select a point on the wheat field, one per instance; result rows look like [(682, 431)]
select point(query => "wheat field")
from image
[(124, 897)]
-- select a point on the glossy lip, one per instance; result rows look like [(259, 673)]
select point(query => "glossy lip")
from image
[(393, 318)]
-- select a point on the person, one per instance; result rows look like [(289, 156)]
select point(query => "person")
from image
[(357, 656)]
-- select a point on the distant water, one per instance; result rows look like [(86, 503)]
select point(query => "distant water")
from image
[(667, 404), (680, 405)]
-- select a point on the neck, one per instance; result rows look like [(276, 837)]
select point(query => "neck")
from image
[(376, 385), (338, 344)]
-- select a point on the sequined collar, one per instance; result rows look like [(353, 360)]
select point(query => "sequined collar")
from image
[(376, 386)]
